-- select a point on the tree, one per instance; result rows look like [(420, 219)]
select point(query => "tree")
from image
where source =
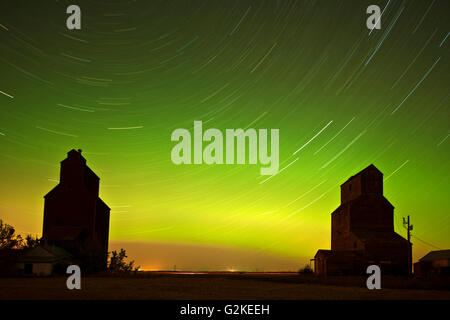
[(31, 242), (10, 240), (307, 269), (117, 263), (8, 237)]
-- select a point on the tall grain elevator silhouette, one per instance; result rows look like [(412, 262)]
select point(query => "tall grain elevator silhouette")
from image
[(362, 230), (75, 218)]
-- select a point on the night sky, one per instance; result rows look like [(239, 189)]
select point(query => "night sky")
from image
[(343, 95)]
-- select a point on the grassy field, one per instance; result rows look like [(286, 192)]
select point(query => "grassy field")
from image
[(224, 287)]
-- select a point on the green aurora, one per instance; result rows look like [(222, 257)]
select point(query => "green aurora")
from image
[(137, 70)]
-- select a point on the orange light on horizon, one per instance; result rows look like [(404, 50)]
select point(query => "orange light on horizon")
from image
[(150, 269)]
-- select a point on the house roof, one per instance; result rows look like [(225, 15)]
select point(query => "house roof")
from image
[(323, 253), (43, 254), (436, 255), (60, 252)]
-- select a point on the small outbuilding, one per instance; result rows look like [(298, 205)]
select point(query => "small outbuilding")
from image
[(42, 260), (435, 263)]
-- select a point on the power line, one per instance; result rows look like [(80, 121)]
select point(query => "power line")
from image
[(427, 243), (415, 237)]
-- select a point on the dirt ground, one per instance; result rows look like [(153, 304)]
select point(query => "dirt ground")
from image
[(205, 287)]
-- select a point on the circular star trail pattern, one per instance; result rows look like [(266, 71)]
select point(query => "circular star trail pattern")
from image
[(341, 95)]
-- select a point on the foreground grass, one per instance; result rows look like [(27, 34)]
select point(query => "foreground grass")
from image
[(226, 287)]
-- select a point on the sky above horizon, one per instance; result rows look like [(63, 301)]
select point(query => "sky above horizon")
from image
[(342, 97)]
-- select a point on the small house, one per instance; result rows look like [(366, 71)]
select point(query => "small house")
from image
[(435, 263), (42, 261)]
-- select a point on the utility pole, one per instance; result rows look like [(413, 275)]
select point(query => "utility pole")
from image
[(408, 228)]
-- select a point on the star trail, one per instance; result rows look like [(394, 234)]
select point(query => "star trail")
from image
[(342, 96)]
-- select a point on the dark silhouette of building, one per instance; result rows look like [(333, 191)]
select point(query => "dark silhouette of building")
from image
[(75, 218), (8, 258), (362, 230), (43, 261), (435, 263)]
